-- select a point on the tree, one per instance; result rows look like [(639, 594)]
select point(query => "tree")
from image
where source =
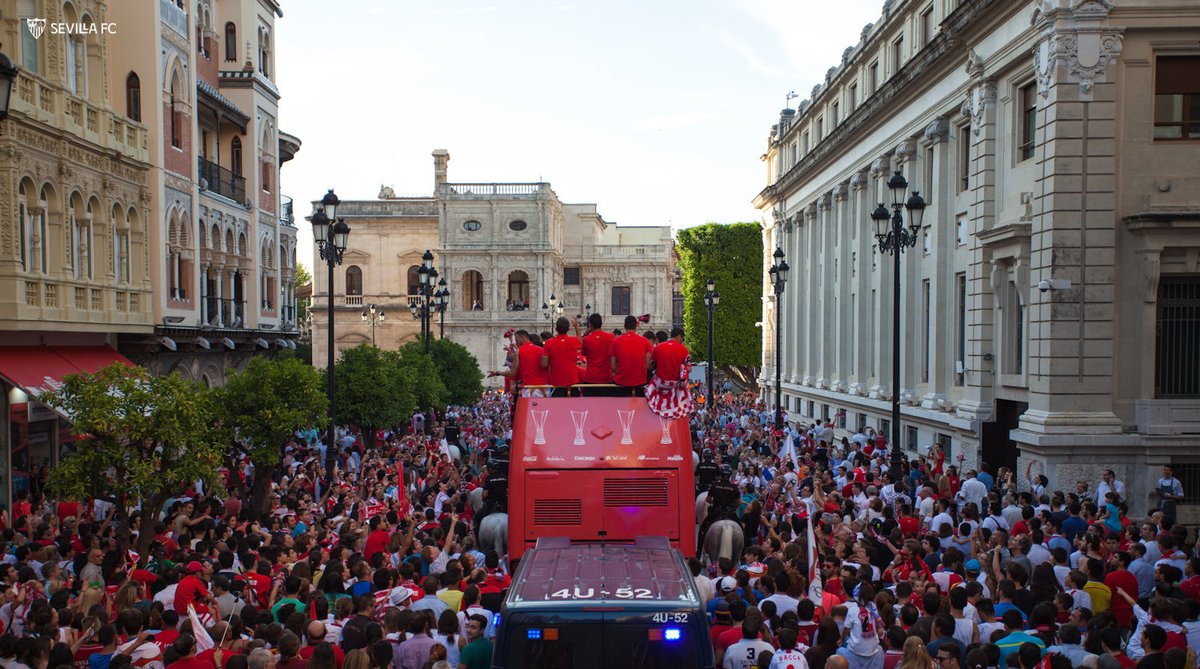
[(457, 368), (429, 391), (303, 276), (374, 389), (265, 404), (141, 438), (731, 255)]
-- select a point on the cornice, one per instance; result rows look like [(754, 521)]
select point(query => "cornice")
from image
[(939, 56)]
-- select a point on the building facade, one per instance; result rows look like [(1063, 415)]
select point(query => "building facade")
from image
[(140, 218), (1051, 141), (504, 249), (200, 75)]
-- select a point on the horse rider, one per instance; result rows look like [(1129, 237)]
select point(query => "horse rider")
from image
[(706, 472), (723, 501), (495, 490)]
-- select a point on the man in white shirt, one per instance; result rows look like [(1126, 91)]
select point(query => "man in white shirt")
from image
[(1109, 483), (973, 491), (943, 516), (744, 653)]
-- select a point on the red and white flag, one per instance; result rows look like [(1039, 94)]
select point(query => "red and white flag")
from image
[(815, 589)]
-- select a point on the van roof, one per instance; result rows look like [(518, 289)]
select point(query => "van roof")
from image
[(647, 572)]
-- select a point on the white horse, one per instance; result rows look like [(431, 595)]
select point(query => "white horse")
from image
[(701, 508), (475, 499), (493, 533), (724, 538)]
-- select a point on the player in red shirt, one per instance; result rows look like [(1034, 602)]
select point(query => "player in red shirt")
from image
[(527, 365), (670, 356), (559, 355), (597, 349), (631, 357)]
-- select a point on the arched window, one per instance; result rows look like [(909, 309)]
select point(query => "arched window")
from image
[(230, 41), (133, 97), (264, 51), (414, 280), (176, 121), (518, 290), (235, 156), (354, 280), (22, 226), (41, 241), (472, 290)]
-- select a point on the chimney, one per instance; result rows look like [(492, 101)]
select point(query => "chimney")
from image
[(440, 159)]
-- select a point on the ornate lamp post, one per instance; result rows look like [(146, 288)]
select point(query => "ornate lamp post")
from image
[(552, 310), (8, 75), (423, 307), (711, 299), (894, 238), (330, 234), (375, 316), (778, 274), (443, 300)]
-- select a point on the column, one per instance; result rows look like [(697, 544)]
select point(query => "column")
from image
[(860, 260), (220, 297), (911, 331), (939, 219), (811, 293), (881, 278), (204, 315), (842, 319)]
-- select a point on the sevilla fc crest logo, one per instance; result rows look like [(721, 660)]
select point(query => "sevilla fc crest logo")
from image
[(36, 27)]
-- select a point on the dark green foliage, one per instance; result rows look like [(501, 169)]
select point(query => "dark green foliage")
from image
[(731, 255)]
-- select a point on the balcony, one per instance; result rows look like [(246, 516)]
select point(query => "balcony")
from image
[(287, 216), (217, 179), (174, 17)]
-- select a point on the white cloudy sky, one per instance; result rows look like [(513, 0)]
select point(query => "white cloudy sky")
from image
[(656, 110)]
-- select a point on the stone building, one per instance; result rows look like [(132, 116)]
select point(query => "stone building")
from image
[(504, 249), (139, 204), (201, 76), (1052, 142)]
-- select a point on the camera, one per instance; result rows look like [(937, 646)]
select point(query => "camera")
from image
[(1043, 285)]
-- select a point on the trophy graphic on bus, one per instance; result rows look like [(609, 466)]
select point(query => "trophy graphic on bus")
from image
[(539, 425), (579, 418), (666, 431), (626, 417)]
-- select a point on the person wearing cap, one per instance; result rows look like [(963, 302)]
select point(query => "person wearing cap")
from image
[(193, 590)]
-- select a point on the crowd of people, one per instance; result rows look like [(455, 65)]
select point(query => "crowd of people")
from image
[(935, 565), (848, 563)]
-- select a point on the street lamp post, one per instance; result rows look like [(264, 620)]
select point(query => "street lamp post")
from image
[(423, 307), (894, 238), (8, 75), (778, 274), (443, 299), (330, 234), (552, 310), (375, 315), (711, 299)]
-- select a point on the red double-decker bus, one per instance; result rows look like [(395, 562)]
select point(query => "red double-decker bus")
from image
[(599, 470)]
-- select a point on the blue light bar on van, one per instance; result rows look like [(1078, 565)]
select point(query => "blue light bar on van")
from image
[(533, 634), (672, 634)]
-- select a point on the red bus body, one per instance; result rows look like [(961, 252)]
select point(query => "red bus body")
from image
[(599, 469)]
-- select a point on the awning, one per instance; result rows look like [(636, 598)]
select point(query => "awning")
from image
[(39, 369)]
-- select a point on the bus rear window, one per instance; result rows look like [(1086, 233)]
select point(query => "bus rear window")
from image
[(549, 655)]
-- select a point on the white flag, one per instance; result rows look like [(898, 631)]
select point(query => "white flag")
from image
[(815, 589)]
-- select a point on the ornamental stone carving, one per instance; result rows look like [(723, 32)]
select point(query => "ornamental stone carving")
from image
[(858, 180), (878, 166), (1078, 38), (981, 98), (938, 130), (840, 192), (810, 212), (866, 31), (906, 150), (824, 201)]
